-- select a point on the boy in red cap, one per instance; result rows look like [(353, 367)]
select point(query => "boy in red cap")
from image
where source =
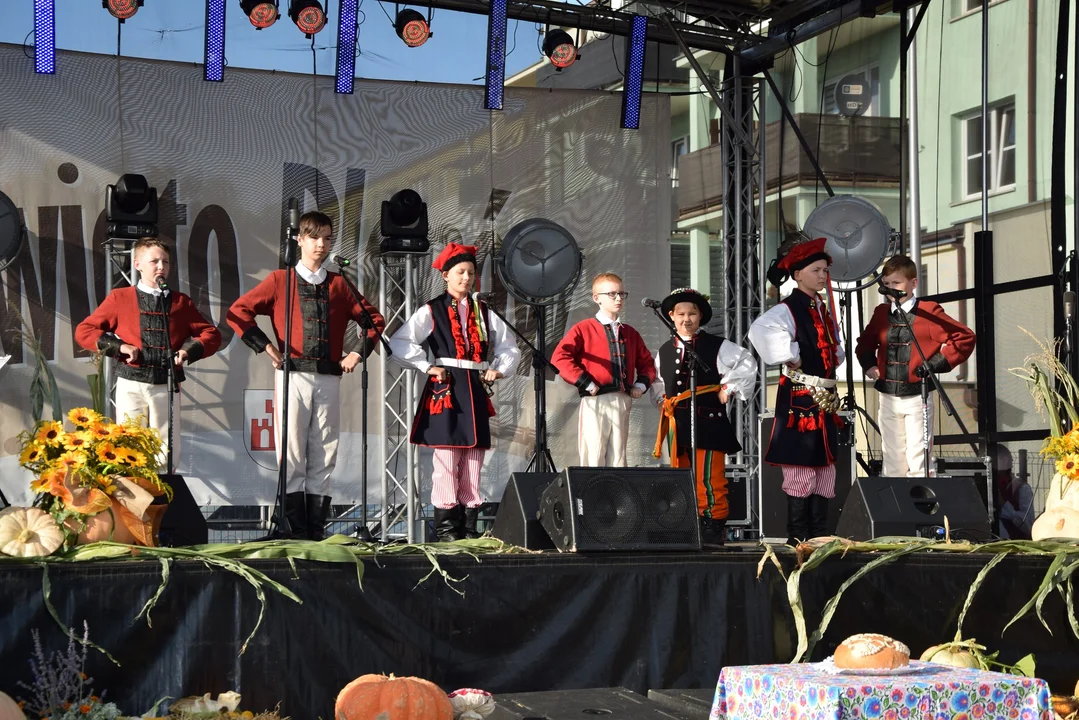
[(889, 357), (801, 335), (319, 352), (610, 365), (731, 370), (454, 413), (130, 326)]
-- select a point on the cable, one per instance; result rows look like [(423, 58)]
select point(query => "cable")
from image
[(820, 114), (25, 45), (119, 99), (516, 24)]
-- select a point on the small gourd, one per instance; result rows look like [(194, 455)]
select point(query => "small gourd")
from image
[(9, 709), (29, 532), (392, 698), (951, 656)]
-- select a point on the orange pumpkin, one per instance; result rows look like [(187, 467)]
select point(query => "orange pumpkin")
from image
[(378, 697)]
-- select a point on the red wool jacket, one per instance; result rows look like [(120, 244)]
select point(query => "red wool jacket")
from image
[(268, 298), (119, 315), (584, 356), (942, 339)]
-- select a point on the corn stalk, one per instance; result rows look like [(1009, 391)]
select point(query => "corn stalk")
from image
[(43, 385), (1044, 373)]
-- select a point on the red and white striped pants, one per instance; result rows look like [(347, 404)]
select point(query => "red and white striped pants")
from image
[(456, 480), (799, 481)]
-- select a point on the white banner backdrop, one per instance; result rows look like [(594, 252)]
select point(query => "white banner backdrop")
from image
[(225, 158)]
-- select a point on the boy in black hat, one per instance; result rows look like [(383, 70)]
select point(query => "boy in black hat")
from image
[(730, 369)]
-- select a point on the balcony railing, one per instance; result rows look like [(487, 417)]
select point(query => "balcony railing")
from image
[(863, 150)]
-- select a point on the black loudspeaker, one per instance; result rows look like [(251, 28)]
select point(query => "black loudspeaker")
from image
[(183, 523), (907, 506), (587, 509), (773, 508), (517, 521)]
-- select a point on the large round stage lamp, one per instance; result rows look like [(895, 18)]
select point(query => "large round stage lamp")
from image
[(539, 262), (560, 49), (122, 9), (308, 16), (262, 14), (857, 235), (412, 27), (12, 232)]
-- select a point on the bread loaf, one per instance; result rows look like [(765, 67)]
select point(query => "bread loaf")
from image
[(871, 651)]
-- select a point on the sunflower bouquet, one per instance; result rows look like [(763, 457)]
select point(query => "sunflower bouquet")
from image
[(96, 466)]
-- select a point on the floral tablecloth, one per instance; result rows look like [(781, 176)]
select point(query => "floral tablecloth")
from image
[(929, 692)]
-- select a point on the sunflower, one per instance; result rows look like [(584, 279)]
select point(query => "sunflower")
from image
[(78, 440), (101, 430), (105, 483), (31, 454), (52, 476), (83, 417), (1069, 466), (131, 457), (72, 460), (49, 433), (106, 453)]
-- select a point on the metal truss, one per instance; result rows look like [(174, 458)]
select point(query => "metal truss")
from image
[(400, 458), (120, 265)]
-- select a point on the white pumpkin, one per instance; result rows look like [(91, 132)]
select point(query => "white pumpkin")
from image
[(9, 709), (29, 532), (1058, 522), (951, 656)]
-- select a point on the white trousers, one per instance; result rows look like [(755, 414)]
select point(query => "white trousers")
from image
[(134, 399), (314, 410), (901, 435), (603, 429)]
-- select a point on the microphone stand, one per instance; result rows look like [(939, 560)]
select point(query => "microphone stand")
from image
[(165, 301), (541, 460), (281, 526), (691, 358), (365, 532)]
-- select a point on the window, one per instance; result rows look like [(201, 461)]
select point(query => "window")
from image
[(1000, 148), (871, 75), (679, 148)]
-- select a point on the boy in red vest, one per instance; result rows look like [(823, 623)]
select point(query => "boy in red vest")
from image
[(610, 365), (130, 326), (322, 305), (885, 351)]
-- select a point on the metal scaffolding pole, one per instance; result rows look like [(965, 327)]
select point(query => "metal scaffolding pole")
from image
[(120, 260)]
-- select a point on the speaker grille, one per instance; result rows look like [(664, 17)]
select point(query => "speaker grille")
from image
[(613, 511)]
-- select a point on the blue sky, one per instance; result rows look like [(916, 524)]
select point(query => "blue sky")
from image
[(174, 30)]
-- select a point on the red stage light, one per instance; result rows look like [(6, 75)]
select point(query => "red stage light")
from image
[(122, 9), (308, 16), (560, 48), (261, 14), (412, 27)]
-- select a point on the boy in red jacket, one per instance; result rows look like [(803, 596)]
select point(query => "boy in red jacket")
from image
[(130, 326), (610, 365), (318, 352), (888, 356)]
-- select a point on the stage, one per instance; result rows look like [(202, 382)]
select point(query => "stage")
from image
[(514, 623)]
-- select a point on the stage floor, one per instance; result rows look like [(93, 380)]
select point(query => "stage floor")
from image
[(512, 624)]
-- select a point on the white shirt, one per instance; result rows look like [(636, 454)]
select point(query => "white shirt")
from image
[(315, 278), (773, 336), (734, 363), (907, 306), (155, 291), (605, 319), (406, 343)]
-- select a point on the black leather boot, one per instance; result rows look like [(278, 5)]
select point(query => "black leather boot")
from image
[(468, 523), (296, 514), (318, 508), (818, 516), (797, 520), (713, 532), (446, 523)]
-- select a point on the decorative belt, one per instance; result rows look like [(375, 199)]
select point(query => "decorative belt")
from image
[(667, 420), (462, 364), (822, 390), (807, 380)]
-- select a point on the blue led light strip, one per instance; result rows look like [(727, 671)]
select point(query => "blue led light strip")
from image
[(631, 90), (215, 41), (45, 37), (346, 46), (496, 56)]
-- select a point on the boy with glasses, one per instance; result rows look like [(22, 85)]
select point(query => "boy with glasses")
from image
[(610, 365)]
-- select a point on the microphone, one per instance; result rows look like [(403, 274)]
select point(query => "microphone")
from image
[(1069, 305), (650, 303), (890, 292), (484, 296), (161, 284), (340, 261), (293, 213)]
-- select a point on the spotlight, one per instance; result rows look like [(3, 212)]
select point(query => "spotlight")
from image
[(45, 37), (412, 27), (631, 90), (308, 16), (215, 41), (493, 86), (346, 46), (262, 14), (121, 9), (560, 48), (131, 208), (404, 223)]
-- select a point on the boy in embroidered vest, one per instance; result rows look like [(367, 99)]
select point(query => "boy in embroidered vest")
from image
[(319, 352), (731, 370), (610, 364), (472, 348), (800, 334), (130, 326), (886, 352)]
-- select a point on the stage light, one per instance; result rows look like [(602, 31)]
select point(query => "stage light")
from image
[(215, 41), (346, 46), (308, 16), (131, 208), (412, 27), (404, 223), (44, 37), (559, 47), (262, 14), (121, 9), (496, 56), (631, 89)]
